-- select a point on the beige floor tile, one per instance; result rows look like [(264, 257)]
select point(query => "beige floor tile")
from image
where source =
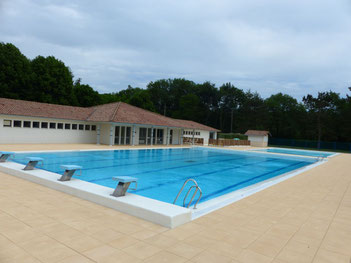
[(123, 242), (268, 245), (161, 241), (165, 257), (223, 248), (106, 235), (325, 256), (247, 256), (302, 248), (185, 250), (141, 250), (241, 238), (143, 234), (339, 242), (76, 259), (177, 233), (120, 257), (100, 253), (82, 243), (46, 249), (208, 256), (291, 256), (199, 241)]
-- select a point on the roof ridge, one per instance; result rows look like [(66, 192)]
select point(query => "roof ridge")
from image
[(115, 112)]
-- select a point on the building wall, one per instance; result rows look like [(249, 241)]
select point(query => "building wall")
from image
[(258, 140), (44, 135), (105, 134)]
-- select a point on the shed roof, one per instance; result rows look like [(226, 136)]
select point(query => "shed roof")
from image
[(257, 132)]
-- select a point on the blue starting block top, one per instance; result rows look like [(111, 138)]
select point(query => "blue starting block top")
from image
[(125, 179), (69, 167), (33, 159), (11, 153)]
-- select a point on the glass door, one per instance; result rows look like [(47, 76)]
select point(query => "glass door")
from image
[(142, 135), (117, 134), (128, 135), (123, 135), (148, 136), (170, 136), (159, 136)]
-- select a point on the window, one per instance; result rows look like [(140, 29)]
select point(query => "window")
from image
[(26, 124), (17, 124), (7, 123), (60, 126), (93, 127), (81, 127), (35, 124), (44, 125), (52, 125), (67, 126), (74, 126), (87, 127)]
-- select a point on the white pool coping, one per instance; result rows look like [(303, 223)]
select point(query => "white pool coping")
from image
[(162, 213), (159, 212)]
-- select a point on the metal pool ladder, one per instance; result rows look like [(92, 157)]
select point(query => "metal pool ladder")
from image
[(193, 186)]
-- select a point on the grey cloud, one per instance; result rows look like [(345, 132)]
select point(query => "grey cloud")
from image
[(296, 47)]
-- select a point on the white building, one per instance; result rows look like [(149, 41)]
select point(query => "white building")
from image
[(258, 138), (112, 124)]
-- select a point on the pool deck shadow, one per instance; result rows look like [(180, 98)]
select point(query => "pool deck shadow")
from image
[(306, 218)]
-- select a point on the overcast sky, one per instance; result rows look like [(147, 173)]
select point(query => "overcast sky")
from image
[(270, 46)]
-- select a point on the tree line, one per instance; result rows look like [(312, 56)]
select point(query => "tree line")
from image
[(326, 116)]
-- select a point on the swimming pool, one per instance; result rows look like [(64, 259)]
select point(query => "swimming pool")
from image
[(297, 152), (161, 172)]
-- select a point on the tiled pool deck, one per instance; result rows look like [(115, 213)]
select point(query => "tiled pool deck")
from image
[(306, 218)]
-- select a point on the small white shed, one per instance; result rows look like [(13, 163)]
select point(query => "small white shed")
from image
[(258, 138)]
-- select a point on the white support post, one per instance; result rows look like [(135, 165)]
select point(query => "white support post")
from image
[(111, 135), (133, 135), (156, 137), (167, 136), (98, 130), (215, 135), (193, 137), (152, 135), (181, 136), (119, 135)]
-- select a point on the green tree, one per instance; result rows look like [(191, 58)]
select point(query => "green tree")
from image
[(189, 108), (322, 109), (231, 99), (85, 95), (285, 115), (15, 73), (53, 81), (141, 98)]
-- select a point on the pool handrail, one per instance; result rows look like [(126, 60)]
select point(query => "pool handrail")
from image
[(197, 189)]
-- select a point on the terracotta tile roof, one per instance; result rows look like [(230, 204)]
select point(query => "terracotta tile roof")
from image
[(36, 109), (257, 132), (195, 125), (113, 112)]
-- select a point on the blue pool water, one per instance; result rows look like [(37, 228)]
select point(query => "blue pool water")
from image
[(297, 152), (161, 172)]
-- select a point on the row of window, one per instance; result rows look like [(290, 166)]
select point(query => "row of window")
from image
[(190, 133), (48, 125)]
